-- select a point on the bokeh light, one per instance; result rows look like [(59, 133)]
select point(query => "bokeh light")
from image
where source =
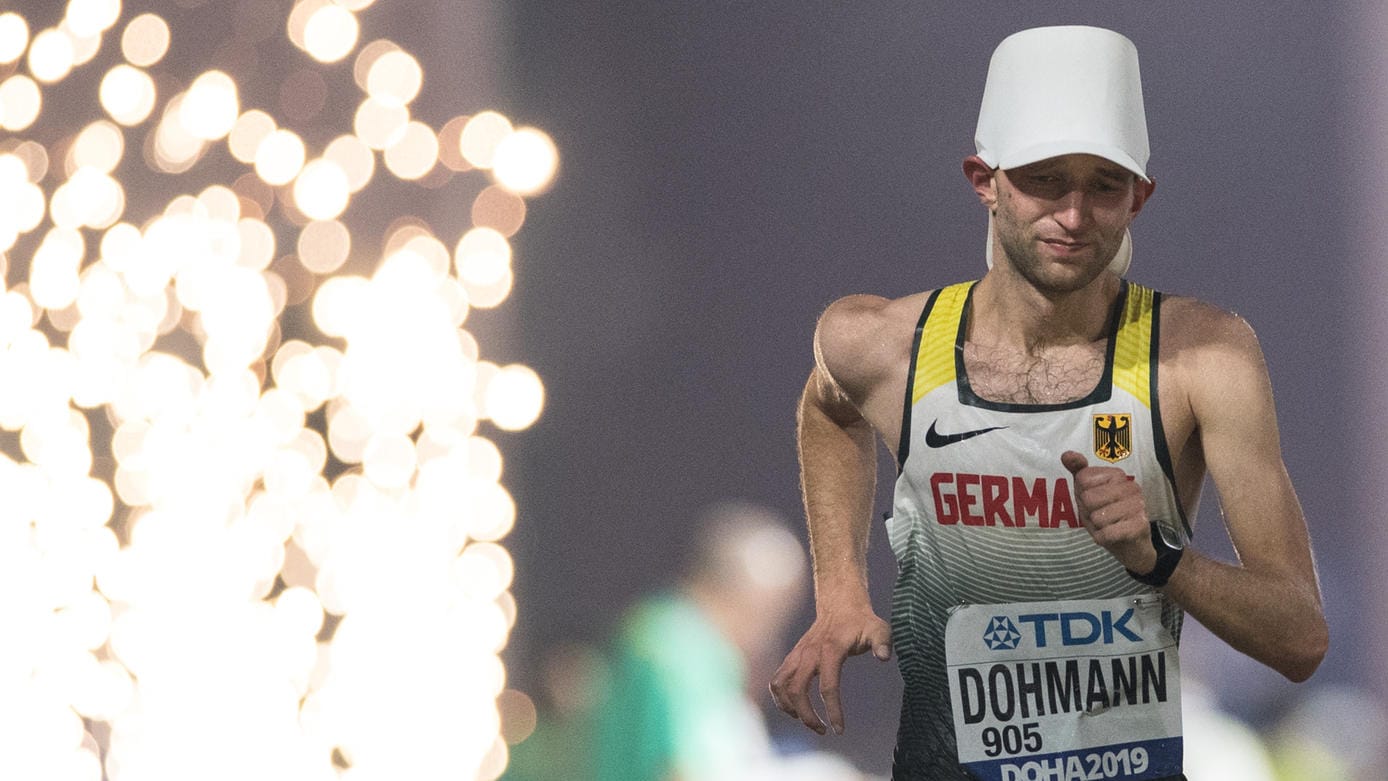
[(20, 102), (380, 124), (14, 36), (413, 152), (210, 108), (525, 161), (51, 55), (320, 191), (249, 475), (394, 78), (330, 33), (145, 40), (128, 94), (90, 18), (279, 157), (481, 136)]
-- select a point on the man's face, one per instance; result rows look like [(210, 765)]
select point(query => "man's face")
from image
[(1060, 221)]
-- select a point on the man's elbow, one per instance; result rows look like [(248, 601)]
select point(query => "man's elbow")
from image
[(1305, 653)]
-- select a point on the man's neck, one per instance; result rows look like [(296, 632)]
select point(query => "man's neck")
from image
[(1009, 312)]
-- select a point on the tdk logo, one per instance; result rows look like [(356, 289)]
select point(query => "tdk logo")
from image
[(1072, 628), (1001, 634)]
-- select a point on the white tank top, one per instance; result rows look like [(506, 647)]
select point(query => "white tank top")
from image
[(1016, 633)]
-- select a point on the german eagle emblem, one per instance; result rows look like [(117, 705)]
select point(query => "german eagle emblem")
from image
[(1113, 436)]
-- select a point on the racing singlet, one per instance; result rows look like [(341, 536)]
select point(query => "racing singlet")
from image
[(1027, 652)]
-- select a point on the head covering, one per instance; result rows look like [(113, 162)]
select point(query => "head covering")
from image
[(1064, 90)]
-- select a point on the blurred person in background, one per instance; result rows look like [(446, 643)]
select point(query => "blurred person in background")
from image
[(677, 705)]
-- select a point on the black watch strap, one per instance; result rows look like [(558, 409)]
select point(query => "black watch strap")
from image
[(1167, 559)]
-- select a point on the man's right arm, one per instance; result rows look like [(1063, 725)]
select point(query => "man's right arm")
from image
[(838, 467)]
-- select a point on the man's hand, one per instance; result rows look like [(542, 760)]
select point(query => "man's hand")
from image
[(833, 637), (1111, 507)]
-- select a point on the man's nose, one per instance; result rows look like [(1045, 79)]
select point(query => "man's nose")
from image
[(1073, 210)]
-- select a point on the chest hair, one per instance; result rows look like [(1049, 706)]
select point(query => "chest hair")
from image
[(1052, 376)]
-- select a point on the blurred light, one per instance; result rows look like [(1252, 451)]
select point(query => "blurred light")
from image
[(279, 157), (297, 23), (361, 66), (250, 129), (498, 209), (99, 146), (210, 107), (20, 102), (482, 257), (378, 124), (525, 161), (518, 716), (481, 135), (53, 279), (321, 191), (354, 158), (413, 153), (515, 397), (128, 94), (175, 149), (394, 78), (257, 244), (50, 56), (89, 18), (89, 199), (84, 47), (450, 149), (14, 36), (35, 158), (213, 471), (324, 246), (145, 40), (330, 33)]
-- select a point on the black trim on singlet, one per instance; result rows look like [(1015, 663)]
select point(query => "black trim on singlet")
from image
[(1159, 431), (903, 447), (1103, 391)]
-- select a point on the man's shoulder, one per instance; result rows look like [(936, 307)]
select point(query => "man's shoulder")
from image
[(1203, 344), (861, 340), (1190, 323), (864, 311)]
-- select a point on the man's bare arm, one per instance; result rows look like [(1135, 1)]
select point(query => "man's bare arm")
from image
[(838, 477), (1267, 605)]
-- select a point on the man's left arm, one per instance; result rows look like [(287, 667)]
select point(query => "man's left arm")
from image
[(1268, 604)]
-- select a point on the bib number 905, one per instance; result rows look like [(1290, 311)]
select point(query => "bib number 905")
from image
[(1011, 739)]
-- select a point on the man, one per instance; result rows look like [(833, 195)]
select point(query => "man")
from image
[(1056, 428)]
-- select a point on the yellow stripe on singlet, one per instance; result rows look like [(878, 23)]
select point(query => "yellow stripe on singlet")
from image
[(1132, 354), (935, 358)]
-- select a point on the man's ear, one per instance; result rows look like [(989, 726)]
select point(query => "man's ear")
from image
[(1141, 192), (980, 176)]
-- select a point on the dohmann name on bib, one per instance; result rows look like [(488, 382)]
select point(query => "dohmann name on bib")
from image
[(1028, 689)]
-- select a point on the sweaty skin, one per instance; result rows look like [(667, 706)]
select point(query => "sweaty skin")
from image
[(1036, 325)]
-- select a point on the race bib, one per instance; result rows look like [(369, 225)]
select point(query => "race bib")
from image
[(1075, 690)]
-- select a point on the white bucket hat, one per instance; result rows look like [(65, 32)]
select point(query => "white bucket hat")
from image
[(1064, 90)]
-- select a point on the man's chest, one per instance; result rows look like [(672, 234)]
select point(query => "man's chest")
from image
[(1053, 376)]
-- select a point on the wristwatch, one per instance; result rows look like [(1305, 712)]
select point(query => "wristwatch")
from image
[(1167, 559)]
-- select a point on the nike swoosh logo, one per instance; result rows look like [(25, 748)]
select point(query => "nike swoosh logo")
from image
[(934, 438)]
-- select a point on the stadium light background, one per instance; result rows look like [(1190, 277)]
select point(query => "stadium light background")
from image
[(253, 515)]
